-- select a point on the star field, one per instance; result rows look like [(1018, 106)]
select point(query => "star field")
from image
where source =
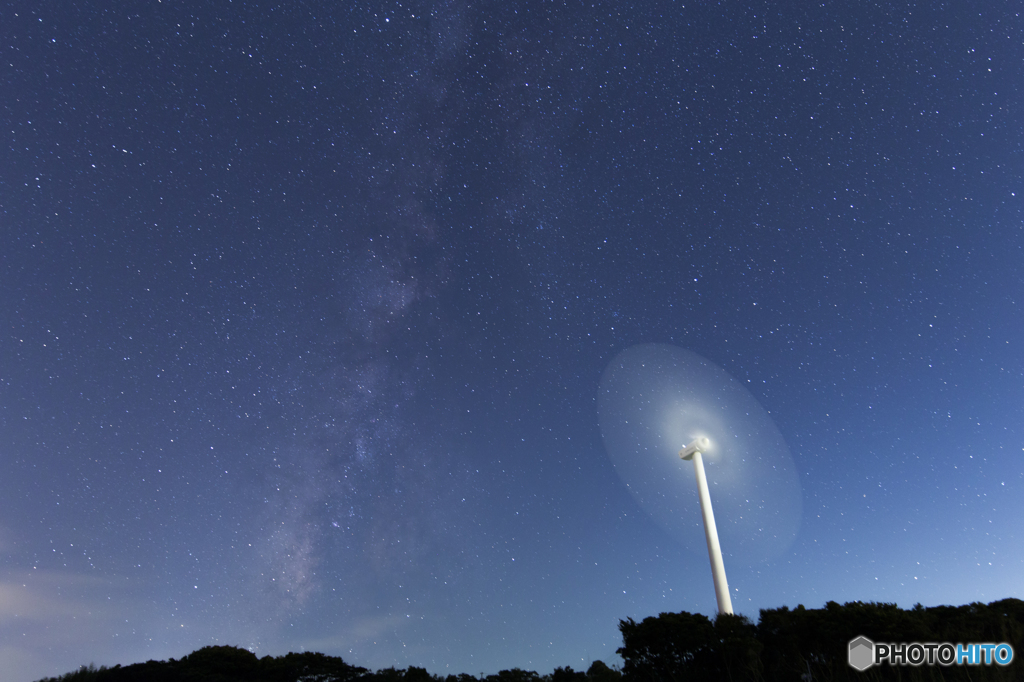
[(305, 309)]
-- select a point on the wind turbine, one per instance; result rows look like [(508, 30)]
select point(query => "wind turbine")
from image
[(693, 451), (652, 398)]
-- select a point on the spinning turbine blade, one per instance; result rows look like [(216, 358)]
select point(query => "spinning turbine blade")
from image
[(656, 398)]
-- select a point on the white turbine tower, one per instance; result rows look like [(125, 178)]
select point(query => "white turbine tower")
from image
[(693, 451)]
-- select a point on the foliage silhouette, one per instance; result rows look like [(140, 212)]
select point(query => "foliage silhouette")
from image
[(812, 644), (786, 645), (567, 674), (225, 664)]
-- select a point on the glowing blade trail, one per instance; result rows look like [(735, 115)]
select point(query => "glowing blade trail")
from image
[(655, 396)]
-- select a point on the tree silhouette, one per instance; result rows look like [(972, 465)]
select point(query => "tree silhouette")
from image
[(567, 674), (786, 645), (671, 647), (600, 672)]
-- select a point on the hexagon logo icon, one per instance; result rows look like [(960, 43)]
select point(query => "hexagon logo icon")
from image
[(862, 653)]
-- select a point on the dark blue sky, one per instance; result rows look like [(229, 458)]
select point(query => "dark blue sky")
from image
[(305, 308)]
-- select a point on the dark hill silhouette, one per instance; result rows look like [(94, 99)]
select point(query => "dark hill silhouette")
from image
[(812, 644), (797, 645)]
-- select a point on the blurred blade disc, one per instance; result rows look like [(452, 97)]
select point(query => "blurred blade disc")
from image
[(656, 398)]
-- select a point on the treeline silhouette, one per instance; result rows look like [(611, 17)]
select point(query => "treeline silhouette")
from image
[(802, 644), (798, 645), (233, 664)]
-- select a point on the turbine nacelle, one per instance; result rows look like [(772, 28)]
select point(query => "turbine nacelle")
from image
[(701, 445)]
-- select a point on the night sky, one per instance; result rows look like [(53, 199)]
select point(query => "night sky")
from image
[(305, 308)]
